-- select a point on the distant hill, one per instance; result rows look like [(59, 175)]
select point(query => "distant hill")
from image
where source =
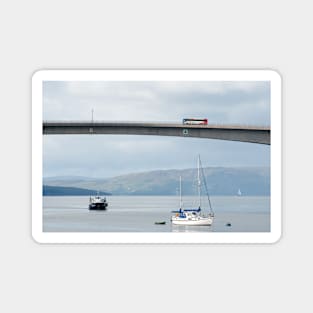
[(220, 181), (69, 191)]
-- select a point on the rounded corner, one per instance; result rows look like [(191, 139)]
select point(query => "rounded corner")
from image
[(275, 74), (277, 238), (36, 238), (37, 75)]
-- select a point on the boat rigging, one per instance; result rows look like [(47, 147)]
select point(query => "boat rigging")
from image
[(194, 217)]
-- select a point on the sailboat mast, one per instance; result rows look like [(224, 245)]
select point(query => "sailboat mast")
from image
[(199, 182), (180, 198)]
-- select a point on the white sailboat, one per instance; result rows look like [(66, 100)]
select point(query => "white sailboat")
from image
[(193, 217), (239, 192)]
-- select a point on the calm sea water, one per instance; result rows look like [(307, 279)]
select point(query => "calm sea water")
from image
[(139, 214)]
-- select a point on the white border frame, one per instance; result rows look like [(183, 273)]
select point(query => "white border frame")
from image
[(156, 75)]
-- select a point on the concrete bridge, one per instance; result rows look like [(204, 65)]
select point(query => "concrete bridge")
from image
[(261, 135)]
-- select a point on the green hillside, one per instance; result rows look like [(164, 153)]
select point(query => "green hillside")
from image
[(68, 191)]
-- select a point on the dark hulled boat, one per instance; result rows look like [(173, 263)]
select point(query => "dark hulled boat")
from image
[(98, 203)]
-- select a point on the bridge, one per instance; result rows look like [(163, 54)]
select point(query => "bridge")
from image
[(253, 134)]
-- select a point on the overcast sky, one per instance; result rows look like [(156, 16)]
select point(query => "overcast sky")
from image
[(109, 155)]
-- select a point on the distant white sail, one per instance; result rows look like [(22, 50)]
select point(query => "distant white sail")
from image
[(239, 192)]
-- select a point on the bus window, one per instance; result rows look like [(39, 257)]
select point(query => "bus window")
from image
[(195, 121)]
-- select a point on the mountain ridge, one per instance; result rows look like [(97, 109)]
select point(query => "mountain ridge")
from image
[(220, 181)]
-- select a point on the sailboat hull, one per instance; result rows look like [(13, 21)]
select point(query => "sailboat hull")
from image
[(201, 221)]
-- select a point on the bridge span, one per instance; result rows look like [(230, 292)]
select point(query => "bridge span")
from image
[(253, 134)]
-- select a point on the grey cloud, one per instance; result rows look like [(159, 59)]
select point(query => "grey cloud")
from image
[(154, 100), (105, 156)]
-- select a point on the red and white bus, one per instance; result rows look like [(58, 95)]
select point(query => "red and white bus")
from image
[(195, 121)]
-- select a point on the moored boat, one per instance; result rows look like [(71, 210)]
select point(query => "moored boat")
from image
[(97, 203), (193, 217)]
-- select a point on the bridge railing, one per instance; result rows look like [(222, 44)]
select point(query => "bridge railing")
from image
[(165, 123)]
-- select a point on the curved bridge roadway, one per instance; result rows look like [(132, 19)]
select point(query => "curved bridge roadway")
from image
[(261, 135)]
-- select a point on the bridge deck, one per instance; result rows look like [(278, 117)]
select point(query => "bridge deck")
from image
[(248, 133)]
